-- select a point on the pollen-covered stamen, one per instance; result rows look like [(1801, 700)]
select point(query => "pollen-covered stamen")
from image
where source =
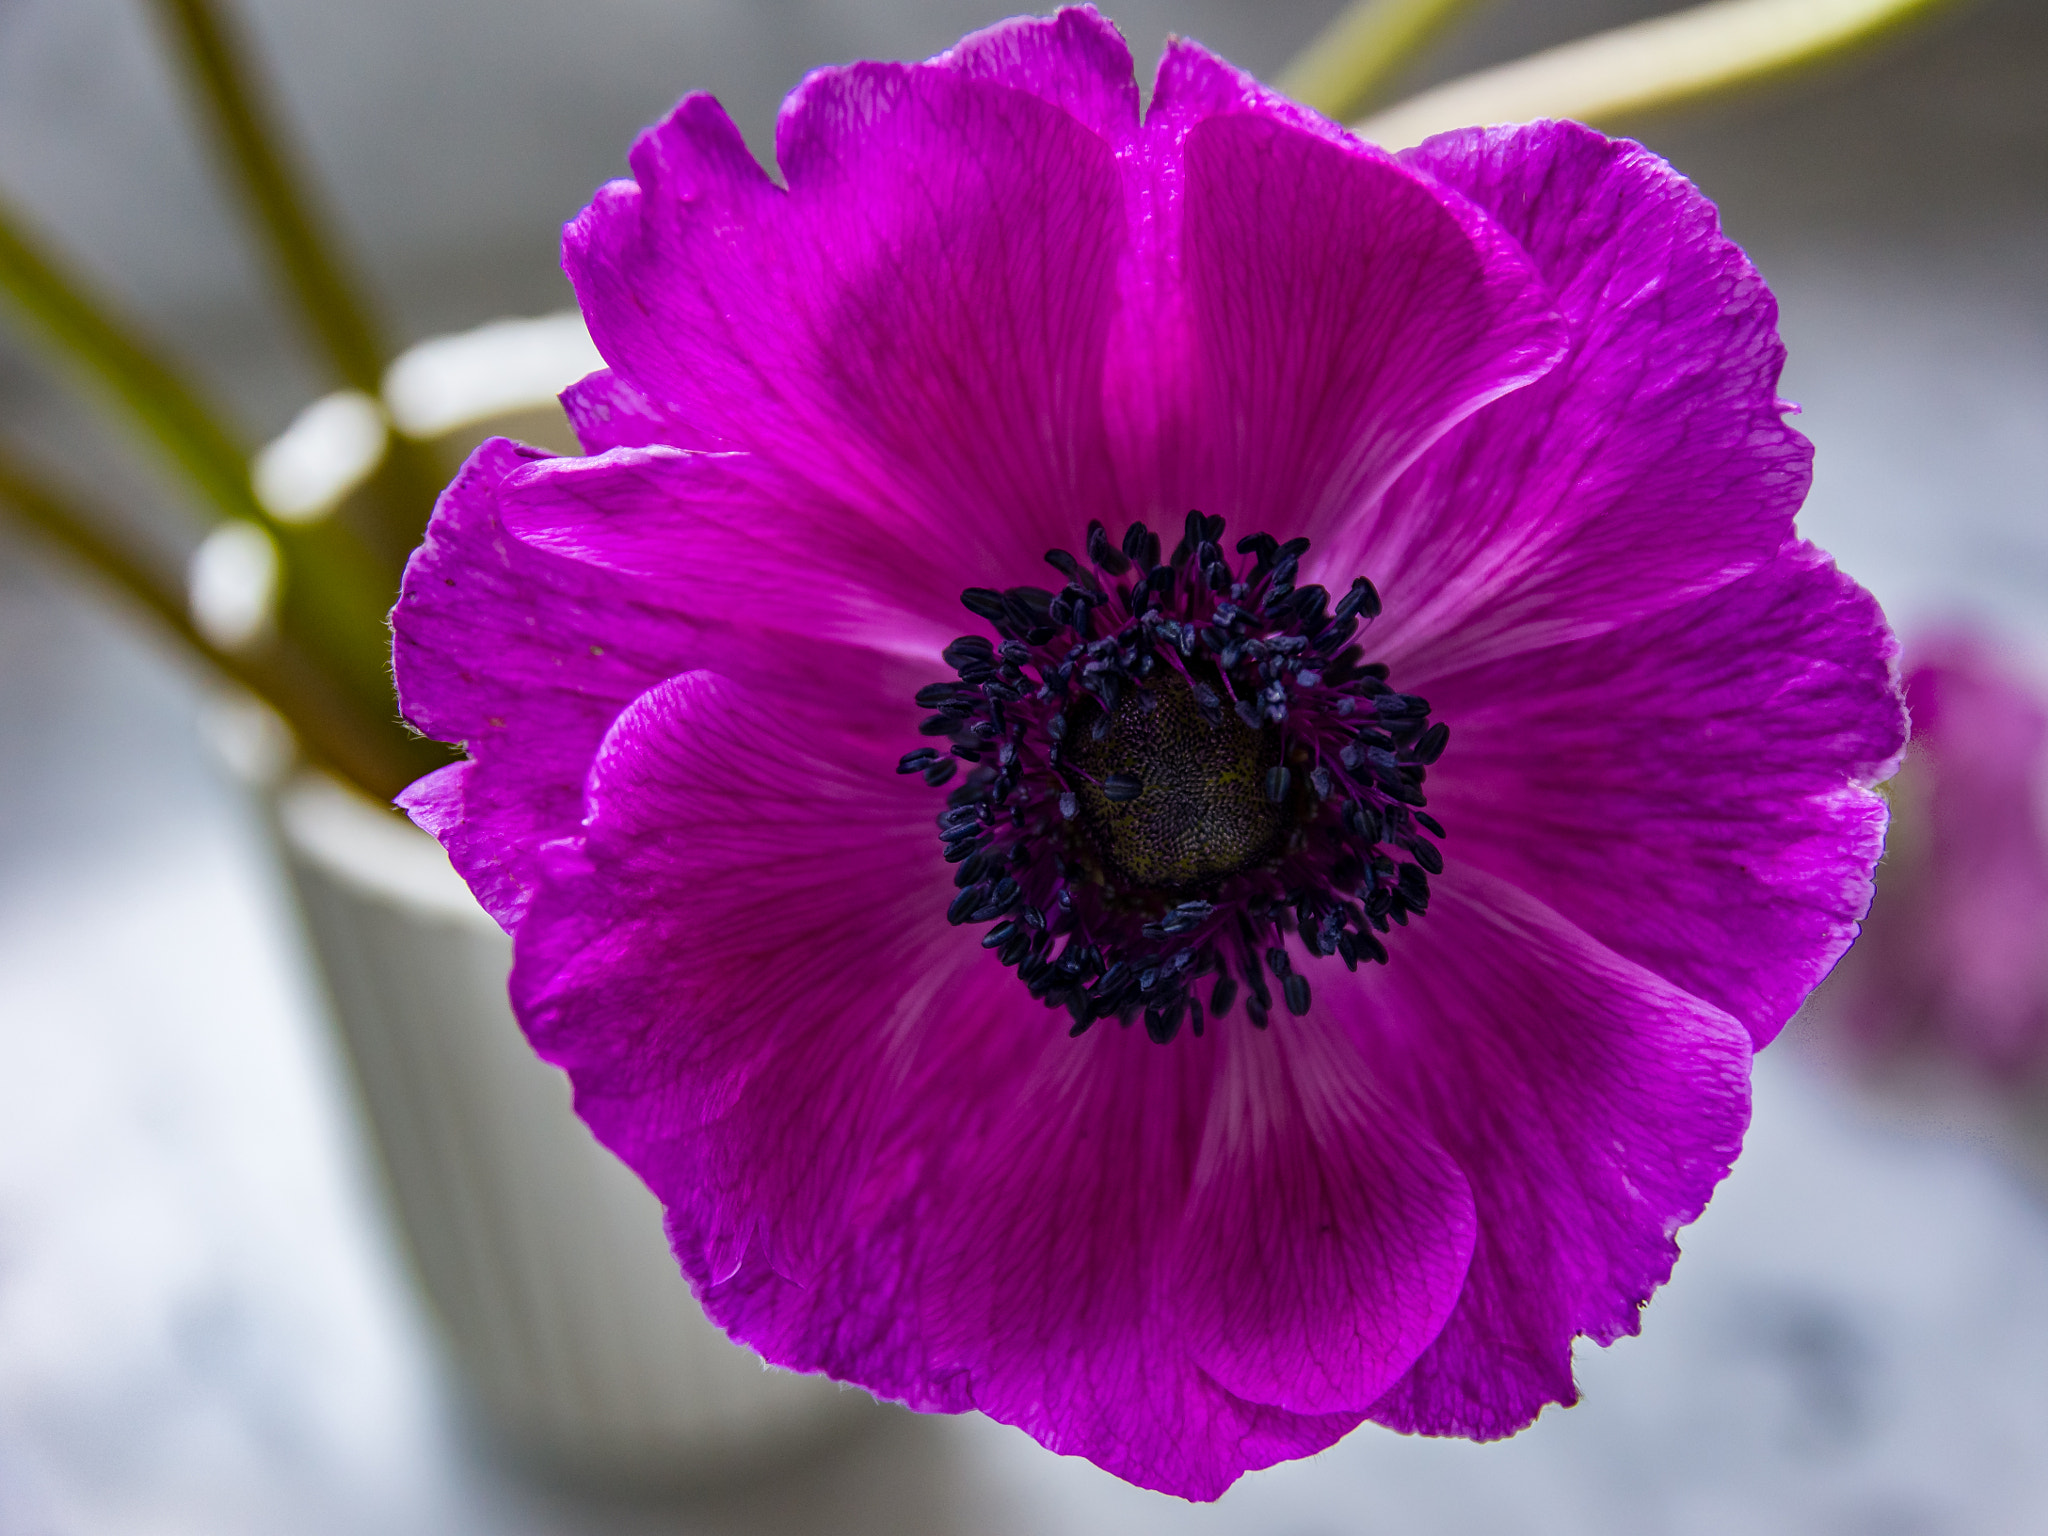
[(1172, 766)]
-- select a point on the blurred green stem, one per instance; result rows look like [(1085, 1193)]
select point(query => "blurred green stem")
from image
[(253, 150), (1651, 66), (335, 597), (248, 137), (160, 402), (331, 728), (1351, 62)]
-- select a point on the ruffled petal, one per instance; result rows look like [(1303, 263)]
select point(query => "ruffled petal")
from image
[(607, 412), (708, 536), (1345, 316), (1302, 315), (1009, 1249), (882, 1160), (1693, 791), (1327, 1236), (1075, 60), (916, 326), (524, 626), (1193, 84), (1083, 1244), (509, 651), (1651, 465), (718, 888), (1592, 1105)]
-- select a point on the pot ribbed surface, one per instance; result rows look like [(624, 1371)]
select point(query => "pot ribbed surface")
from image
[(542, 1255)]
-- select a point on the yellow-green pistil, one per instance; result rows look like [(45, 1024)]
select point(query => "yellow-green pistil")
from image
[(1200, 811)]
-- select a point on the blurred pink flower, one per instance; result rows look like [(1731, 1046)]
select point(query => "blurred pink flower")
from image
[(1954, 956)]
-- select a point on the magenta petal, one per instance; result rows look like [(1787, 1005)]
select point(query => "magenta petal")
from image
[(658, 965), (1693, 791), (708, 535), (882, 1160), (1075, 1257), (1592, 1105), (502, 648), (1345, 314), (1327, 1235), (1653, 463), (1302, 314), (1194, 84), (552, 592), (915, 325), (1074, 60), (1008, 1247), (607, 412)]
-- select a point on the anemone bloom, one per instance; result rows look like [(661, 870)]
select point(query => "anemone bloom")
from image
[(1954, 958), (1193, 1094)]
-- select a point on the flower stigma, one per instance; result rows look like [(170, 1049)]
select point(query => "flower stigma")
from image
[(1171, 766)]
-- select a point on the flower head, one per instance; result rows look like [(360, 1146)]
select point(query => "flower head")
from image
[(1386, 757), (1955, 955)]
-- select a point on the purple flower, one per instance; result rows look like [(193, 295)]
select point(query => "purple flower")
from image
[(1955, 955), (1489, 464)]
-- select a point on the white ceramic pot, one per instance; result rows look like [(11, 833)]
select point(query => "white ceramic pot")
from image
[(543, 1256)]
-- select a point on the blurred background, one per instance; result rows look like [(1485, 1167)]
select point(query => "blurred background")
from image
[(206, 1323)]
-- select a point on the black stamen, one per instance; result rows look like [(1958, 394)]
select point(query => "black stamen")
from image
[(984, 601), (1239, 779), (1122, 787), (1105, 554)]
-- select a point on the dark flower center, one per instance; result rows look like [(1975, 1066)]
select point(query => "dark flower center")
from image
[(1195, 809), (1174, 765)]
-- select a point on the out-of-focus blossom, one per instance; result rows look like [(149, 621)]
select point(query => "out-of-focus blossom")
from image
[(1420, 1096), (1954, 955)]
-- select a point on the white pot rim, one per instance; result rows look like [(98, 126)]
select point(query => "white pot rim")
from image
[(369, 849)]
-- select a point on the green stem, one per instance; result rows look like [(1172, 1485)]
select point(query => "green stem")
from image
[(1651, 66), (248, 136), (398, 500), (375, 754), (253, 150), (157, 399), (1355, 57), (336, 595)]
